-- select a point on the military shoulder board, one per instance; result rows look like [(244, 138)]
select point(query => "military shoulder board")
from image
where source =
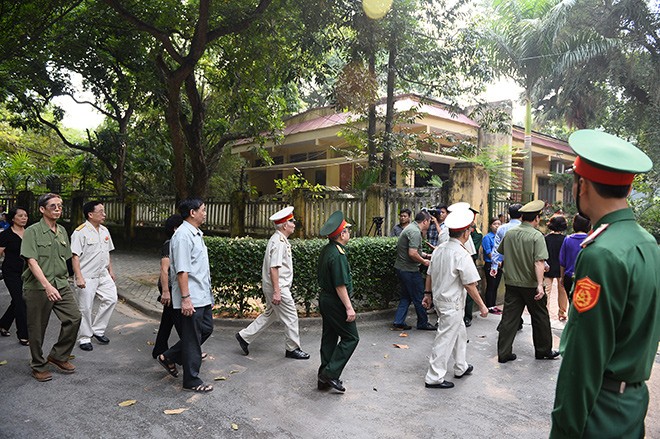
[(591, 238), (341, 250)]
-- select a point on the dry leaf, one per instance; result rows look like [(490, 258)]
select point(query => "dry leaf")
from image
[(234, 426), (219, 378), (151, 343), (231, 372), (403, 334), (400, 346), (127, 403), (3, 362), (175, 411), (386, 356)]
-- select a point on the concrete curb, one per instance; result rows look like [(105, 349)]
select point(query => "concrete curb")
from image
[(368, 316)]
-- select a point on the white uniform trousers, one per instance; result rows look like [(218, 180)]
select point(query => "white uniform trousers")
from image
[(450, 341), (106, 290), (285, 312)]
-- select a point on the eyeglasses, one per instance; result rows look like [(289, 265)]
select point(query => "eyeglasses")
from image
[(54, 206), (292, 220)]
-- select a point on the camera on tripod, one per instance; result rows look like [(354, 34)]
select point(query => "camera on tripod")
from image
[(376, 221), (431, 211)]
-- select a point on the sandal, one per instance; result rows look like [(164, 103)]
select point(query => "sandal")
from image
[(562, 318), (24, 341), (4, 332), (169, 367), (202, 388)]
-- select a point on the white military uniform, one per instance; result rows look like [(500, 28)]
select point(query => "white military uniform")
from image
[(450, 268), (278, 254), (93, 250)]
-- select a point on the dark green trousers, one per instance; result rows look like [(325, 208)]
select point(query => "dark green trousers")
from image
[(515, 301), (38, 313), (339, 338), (618, 415)]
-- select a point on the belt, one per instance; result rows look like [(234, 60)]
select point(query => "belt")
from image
[(618, 386)]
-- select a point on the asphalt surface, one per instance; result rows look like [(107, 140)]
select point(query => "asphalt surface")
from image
[(267, 395)]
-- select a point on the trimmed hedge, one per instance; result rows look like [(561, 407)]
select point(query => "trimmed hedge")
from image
[(236, 272)]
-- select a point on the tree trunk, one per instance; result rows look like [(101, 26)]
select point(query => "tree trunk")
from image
[(527, 164), (178, 141), (388, 141)]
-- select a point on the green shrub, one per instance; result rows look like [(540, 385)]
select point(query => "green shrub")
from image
[(236, 271)]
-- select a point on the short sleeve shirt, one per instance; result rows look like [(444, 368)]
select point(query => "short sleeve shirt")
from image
[(51, 251), (522, 246), (411, 237), (93, 248), (188, 254), (450, 268), (278, 254), (334, 270)]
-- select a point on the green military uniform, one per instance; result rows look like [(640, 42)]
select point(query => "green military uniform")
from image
[(522, 247), (339, 338), (611, 339), (51, 251)]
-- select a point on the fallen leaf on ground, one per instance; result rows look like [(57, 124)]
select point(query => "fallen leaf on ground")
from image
[(400, 346), (219, 378), (234, 426), (375, 389), (127, 402), (3, 362), (403, 334), (175, 411), (231, 372), (386, 356), (481, 336), (151, 343)]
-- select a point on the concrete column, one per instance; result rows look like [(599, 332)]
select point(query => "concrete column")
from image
[(237, 224), (375, 207), (299, 211), (469, 182)]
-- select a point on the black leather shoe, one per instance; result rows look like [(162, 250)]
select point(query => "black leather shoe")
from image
[(403, 327), (244, 344), (297, 354), (507, 359), (102, 339), (335, 383), (443, 385), (549, 356), (86, 346), (468, 371), (467, 322), (428, 327)]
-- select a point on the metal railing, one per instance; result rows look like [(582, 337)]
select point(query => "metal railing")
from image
[(499, 200)]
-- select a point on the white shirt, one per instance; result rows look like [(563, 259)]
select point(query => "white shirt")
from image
[(450, 268), (93, 249), (278, 254)]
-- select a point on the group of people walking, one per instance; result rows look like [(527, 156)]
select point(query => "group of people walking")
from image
[(609, 272)]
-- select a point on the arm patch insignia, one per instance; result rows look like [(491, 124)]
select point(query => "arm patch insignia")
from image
[(586, 294)]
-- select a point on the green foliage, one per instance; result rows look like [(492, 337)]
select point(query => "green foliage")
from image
[(286, 186), (236, 272), (495, 162)]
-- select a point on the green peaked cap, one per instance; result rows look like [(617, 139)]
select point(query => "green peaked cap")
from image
[(333, 222), (609, 152)]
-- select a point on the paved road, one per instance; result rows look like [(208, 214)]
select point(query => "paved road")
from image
[(266, 395)]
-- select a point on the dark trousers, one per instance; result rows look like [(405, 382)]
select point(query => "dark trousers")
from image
[(515, 301), (168, 320), (339, 338), (16, 309), (38, 313), (188, 351), (412, 290), (568, 286), (492, 284)]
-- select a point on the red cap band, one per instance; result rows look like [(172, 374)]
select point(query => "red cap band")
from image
[(338, 230), (461, 229), (285, 219), (590, 172)]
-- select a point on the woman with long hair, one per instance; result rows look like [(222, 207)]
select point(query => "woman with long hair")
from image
[(12, 268)]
